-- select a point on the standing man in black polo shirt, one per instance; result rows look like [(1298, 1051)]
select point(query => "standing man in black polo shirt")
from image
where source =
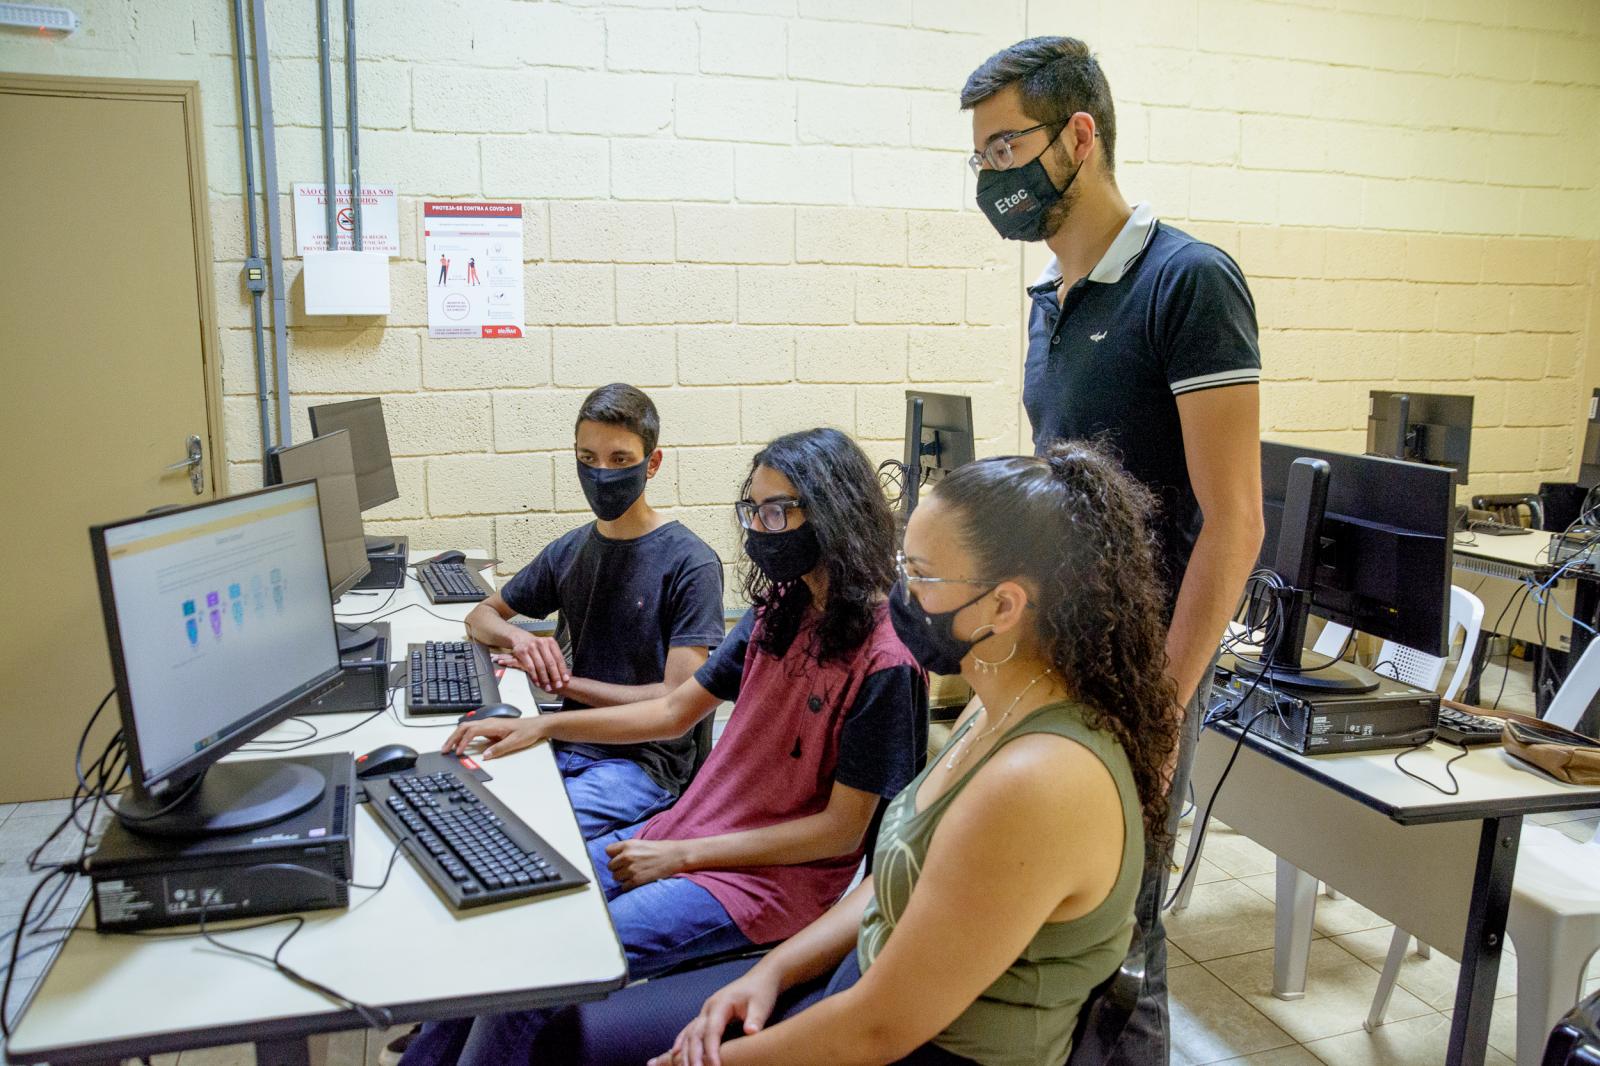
[(1143, 336)]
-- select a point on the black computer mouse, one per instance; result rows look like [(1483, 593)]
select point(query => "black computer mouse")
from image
[(389, 759), (493, 710), (449, 557)]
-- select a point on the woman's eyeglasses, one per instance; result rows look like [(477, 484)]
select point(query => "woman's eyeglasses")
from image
[(771, 516), (907, 578)]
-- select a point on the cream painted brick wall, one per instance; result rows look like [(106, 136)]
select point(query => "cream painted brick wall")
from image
[(759, 209)]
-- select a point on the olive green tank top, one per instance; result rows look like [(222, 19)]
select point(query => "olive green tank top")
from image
[(1026, 1017)]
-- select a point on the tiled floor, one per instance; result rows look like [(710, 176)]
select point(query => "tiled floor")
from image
[(1220, 965)]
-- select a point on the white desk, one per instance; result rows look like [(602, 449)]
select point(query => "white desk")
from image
[(1497, 569), (110, 997), (1438, 866)]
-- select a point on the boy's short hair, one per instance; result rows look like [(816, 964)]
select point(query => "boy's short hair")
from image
[(622, 405), (1056, 77)]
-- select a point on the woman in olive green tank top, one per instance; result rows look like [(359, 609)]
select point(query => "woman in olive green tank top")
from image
[(1005, 876)]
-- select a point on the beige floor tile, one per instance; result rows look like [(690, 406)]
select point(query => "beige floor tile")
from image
[(1204, 874), (1432, 980), (1176, 957), (1223, 918), (1236, 855), (1333, 917), (1412, 1042), (231, 1055), (1212, 1024), (1502, 1026), (1294, 1055), (1339, 990)]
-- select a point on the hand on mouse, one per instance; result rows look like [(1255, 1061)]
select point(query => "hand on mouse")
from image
[(540, 658), (505, 735)]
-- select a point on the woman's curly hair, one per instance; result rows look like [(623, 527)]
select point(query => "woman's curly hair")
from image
[(1078, 527), (845, 505)]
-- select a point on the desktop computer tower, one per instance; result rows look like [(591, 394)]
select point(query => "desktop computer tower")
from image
[(147, 882), (388, 566), (1394, 715), (364, 681)]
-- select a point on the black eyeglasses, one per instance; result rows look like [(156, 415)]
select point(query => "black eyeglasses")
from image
[(997, 154), (771, 516)]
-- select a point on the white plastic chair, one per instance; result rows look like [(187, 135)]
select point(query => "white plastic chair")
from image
[(1555, 903), (1411, 666)]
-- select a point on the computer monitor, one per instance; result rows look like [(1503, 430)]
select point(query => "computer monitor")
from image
[(1589, 462), (1361, 540), (369, 445), (1424, 427), (328, 461), (938, 440), (219, 627)]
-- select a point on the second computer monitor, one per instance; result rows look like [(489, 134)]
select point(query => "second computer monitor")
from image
[(1423, 427), (939, 439), (327, 460), (369, 446), (1384, 550)]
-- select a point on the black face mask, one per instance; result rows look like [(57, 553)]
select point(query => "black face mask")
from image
[(1017, 201), (930, 638), (786, 556), (611, 492)]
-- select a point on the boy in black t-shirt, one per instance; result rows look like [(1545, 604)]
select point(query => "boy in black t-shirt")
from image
[(640, 602)]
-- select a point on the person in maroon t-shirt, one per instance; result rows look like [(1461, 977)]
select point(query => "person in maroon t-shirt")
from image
[(829, 719)]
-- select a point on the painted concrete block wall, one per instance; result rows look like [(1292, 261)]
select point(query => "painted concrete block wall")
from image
[(760, 211)]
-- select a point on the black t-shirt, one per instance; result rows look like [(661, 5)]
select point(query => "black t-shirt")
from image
[(623, 604), (1111, 359)]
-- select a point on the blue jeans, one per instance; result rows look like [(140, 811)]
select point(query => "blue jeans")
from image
[(607, 794), (660, 925)]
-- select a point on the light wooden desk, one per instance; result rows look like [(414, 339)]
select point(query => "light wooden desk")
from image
[(1437, 866), (112, 997)]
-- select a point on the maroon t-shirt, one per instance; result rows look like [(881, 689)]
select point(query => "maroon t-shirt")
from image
[(797, 727)]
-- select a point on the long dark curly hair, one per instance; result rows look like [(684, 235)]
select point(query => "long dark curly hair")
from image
[(1078, 527), (845, 505)]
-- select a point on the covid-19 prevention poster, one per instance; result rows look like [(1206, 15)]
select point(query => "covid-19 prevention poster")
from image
[(473, 260)]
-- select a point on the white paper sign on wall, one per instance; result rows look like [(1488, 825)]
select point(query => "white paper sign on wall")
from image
[(380, 219)]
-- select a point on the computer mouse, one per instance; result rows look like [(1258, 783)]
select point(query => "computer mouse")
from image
[(389, 759), (449, 557), (493, 710)]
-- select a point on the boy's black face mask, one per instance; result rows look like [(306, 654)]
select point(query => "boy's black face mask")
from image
[(611, 492)]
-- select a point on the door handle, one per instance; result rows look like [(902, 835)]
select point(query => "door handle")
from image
[(194, 464)]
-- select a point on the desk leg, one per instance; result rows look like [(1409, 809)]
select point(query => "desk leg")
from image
[(1486, 935), (1294, 911), (289, 1051), (1480, 659)]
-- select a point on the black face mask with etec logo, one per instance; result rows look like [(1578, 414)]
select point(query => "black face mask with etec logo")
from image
[(1018, 200)]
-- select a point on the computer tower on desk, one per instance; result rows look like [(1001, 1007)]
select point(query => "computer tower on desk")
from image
[(388, 565), (364, 680), (1393, 714)]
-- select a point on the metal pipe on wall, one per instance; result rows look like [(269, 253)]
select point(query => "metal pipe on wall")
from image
[(352, 123), (330, 191), (269, 181), (253, 266)]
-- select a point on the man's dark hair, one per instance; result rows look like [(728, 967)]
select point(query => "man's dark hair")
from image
[(623, 405), (844, 503), (1056, 77)]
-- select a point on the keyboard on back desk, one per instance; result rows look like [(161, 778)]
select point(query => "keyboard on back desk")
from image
[(449, 677), (463, 839), (452, 583)]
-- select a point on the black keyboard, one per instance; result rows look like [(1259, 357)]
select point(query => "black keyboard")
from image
[(1496, 529), (473, 850), (1459, 727), (452, 583), (449, 677)]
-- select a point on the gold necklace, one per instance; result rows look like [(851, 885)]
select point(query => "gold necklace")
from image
[(967, 745)]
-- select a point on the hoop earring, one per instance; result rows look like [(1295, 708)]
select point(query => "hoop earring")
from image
[(986, 666)]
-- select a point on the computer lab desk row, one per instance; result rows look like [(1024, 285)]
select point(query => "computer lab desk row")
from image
[(1439, 867), (107, 998)]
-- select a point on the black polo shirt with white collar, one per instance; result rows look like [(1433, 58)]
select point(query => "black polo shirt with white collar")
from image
[(1161, 316)]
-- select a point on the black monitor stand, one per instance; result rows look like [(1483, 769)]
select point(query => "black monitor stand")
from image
[(1288, 663), (380, 545), (229, 796), (354, 638), (913, 455)]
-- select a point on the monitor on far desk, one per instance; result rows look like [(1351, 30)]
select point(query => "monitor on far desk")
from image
[(369, 447), (939, 439), (1360, 540), (1422, 427)]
